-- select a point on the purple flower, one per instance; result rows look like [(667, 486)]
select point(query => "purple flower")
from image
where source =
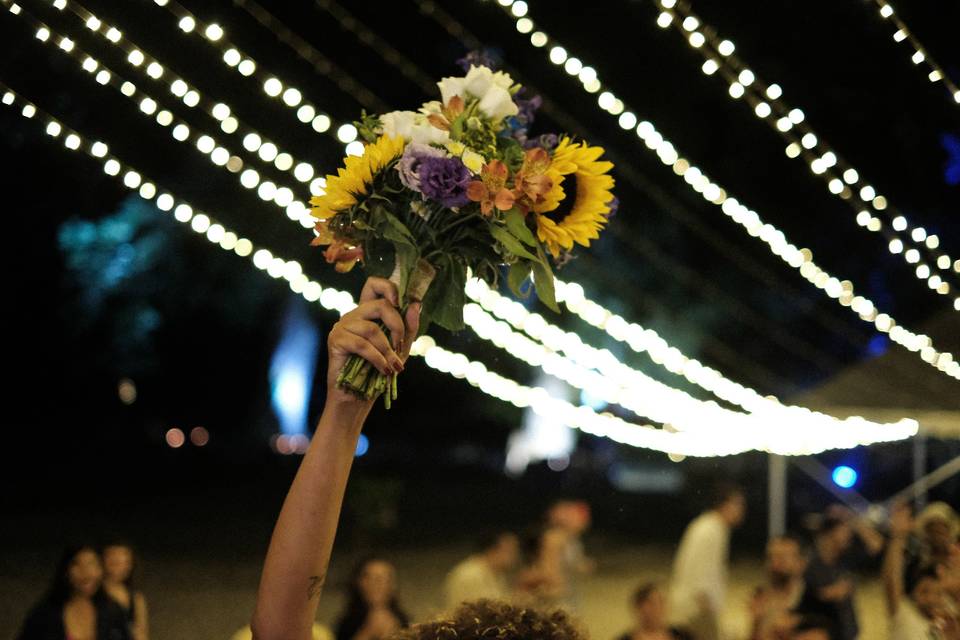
[(614, 207), (482, 58), (548, 141), (528, 108), (409, 165), (445, 180)]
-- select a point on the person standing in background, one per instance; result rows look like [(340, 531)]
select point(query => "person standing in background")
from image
[(774, 602), (484, 574), (699, 580), (829, 583), (119, 565), (373, 610)]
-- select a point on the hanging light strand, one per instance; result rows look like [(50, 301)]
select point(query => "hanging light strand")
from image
[(919, 55), (918, 248), (697, 180)]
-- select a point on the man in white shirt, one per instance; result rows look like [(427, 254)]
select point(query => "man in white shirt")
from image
[(484, 574), (699, 581)]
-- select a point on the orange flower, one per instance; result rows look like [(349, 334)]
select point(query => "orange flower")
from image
[(444, 119), (344, 255), (491, 190), (531, 184)]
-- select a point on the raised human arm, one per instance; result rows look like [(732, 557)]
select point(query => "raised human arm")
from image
[(901, 522), (296, 564)]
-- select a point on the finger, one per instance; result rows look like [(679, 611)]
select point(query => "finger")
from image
[(375, 288), (371, 332), (412, 324), (382, 310), (354, 344)]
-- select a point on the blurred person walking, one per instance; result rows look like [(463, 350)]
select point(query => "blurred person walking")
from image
[(698, 585)]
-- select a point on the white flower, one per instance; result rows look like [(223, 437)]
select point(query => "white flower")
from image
[(398, 123), (413, 127), (491, 89), (450, 87), (497, 104)]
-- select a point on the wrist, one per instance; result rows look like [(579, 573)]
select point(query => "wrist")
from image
[(345, 412)]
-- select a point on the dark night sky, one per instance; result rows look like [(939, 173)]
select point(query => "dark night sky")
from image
[(195, 327)]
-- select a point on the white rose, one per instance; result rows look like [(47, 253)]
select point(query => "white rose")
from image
[(398, 123), (450, 87), (498, 104)]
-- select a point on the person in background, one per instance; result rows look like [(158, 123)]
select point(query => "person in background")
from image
[(773, 603), (829, 585), (76, 607), (699, 581), (556, 559), (934, 536), (373, 610), (649, 608), (916, 603), (484, 574), (119, 564), (295, 569)]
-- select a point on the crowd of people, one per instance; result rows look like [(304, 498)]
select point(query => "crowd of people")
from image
[(527, 587)]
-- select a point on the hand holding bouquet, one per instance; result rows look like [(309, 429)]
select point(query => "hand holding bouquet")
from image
[(456, 188)]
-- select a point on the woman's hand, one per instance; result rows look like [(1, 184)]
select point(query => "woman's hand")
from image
[(358, 333)]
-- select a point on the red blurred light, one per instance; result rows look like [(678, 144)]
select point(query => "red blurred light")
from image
[(199, 436), (175, 438)]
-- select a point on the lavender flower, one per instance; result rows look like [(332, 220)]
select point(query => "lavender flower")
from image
[(528, 108), (548, 141), (445, 180), (483, 58), (409, 165)]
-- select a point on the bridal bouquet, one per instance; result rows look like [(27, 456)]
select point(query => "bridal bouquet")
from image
[(459, 188)]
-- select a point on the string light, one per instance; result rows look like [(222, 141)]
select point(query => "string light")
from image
[(234, 58), (799, 259), (142, 62), (902, 34), (793, 125)]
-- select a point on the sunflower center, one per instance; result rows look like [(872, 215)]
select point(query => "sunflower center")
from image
[(569, 201)]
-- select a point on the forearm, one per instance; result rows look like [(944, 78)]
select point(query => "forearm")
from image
[(893, 572), (296, 565), (872, 539)]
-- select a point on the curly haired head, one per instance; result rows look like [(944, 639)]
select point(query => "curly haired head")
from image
[(494, 620)]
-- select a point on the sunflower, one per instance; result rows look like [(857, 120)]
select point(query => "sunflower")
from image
[(354, 179), (577, 205)]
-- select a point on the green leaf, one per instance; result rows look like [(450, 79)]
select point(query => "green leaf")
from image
[(445, 298), (406, 252), (517, 224), (517, 276), (543, 281), (510, 242)]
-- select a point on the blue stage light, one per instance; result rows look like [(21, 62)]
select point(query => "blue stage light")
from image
[(844, 477), (363, 445)]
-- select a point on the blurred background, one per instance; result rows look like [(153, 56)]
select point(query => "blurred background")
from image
[(159, 389)]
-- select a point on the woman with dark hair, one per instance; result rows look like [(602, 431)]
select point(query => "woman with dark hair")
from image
[(76, 607), (649, 608), (373, 610), (295, 569), (119, 565)]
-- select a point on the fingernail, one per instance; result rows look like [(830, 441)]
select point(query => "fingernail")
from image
[(398, 366)]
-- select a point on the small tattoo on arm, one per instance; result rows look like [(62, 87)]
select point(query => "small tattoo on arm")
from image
[(316, 586)]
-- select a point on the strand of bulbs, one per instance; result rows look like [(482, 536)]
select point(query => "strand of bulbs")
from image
[(912, 243), (842, 291), (920, 57)]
